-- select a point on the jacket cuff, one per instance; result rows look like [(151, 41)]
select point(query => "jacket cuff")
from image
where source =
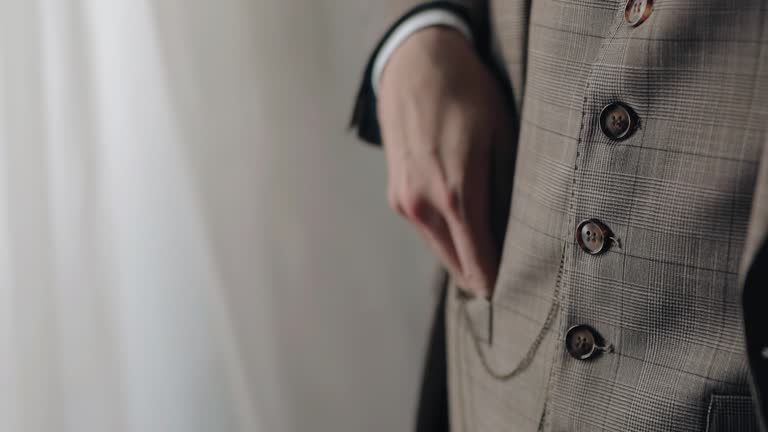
[(417, 22), (364, 115)]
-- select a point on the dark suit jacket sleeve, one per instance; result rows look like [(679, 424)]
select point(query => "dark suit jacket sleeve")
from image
[(755, 301), (364, 115)]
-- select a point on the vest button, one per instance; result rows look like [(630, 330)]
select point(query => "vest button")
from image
[(582, 342), (637, 11), (618, 121), (593, 236)]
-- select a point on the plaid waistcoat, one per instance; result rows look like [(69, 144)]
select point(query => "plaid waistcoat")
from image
[(681, 197)]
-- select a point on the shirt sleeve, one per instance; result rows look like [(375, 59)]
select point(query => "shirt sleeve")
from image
[(428, 13), (419, 21)]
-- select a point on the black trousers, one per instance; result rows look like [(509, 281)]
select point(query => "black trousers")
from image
[(432, 415)]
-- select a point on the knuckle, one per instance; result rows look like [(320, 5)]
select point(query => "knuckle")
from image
[(413, 204), (393, 201), (452, 201)]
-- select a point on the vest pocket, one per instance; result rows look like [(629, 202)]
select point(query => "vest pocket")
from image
[(505, 341), (479, 315), (731, 413)]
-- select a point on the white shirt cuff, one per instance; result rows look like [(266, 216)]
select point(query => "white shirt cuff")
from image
[(419, 21)]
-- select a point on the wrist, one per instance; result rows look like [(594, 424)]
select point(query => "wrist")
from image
[(426, 21), (427, 57)]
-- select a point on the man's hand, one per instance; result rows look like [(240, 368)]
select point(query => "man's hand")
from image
[(441, 114)]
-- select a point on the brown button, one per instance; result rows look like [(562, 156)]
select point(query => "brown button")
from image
[(637, 11), (617, 121), (581, 341), (593, 236)]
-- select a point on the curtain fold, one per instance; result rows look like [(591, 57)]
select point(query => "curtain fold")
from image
[(114, 313)]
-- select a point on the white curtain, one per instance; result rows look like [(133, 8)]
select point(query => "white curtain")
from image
[(189, 239)]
